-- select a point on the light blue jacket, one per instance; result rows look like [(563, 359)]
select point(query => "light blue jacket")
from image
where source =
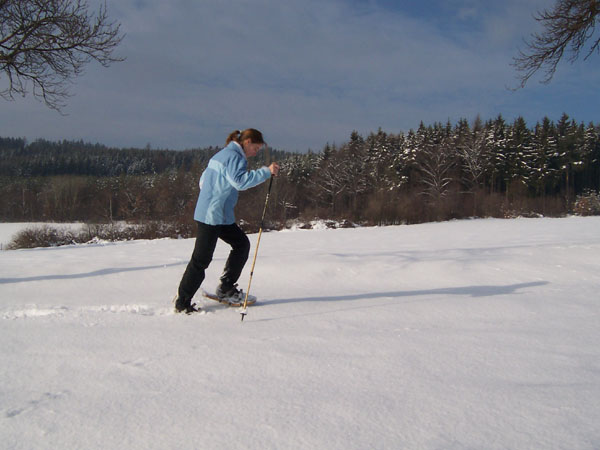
[(226, 174)]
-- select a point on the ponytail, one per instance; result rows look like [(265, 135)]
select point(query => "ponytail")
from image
[(233, 136)]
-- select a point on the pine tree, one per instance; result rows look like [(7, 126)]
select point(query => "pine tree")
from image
[(497, 143), (518, 153), (591, 155), (545, 151), (570, 142)]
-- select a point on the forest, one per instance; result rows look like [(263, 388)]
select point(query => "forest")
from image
[(437, 172)]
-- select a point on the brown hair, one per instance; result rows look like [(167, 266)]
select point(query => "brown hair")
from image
[(255, 136)]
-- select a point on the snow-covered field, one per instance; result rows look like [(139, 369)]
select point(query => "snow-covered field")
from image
[(476, 334)]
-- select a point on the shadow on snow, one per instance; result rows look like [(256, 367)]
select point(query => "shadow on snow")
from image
[(473, 291), (95, 273)]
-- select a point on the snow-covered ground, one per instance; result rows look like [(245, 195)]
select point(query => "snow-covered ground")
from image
[(462, 335)]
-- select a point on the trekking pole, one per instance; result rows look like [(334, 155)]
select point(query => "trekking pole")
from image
[(262, 223)]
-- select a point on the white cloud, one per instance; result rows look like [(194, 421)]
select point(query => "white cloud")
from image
[(305, 72)]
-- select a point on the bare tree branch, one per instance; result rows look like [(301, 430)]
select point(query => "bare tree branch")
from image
[(566, 28), (48, 43)]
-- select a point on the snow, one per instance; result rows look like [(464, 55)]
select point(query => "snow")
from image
[(456, 335)]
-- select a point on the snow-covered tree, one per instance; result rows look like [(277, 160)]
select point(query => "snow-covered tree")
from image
[(473, 153), (435, 161)]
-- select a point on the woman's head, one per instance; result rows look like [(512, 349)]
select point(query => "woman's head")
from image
[(250, 139), (238, 136)]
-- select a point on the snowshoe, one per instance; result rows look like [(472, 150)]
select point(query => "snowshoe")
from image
[(231, 296)]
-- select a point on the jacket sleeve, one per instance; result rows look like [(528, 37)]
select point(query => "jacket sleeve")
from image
[(240, 178)]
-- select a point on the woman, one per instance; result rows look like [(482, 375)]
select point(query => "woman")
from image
[(225, 175)]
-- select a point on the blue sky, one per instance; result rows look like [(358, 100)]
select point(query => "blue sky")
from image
[(305, 72)]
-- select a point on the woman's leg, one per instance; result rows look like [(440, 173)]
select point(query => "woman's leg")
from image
[(240, 249), (206, 241)]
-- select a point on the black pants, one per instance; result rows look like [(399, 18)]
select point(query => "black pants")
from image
[(206, 241)]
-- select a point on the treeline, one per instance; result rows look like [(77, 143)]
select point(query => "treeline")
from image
[(46, 158), (437, 172), (445, 171)]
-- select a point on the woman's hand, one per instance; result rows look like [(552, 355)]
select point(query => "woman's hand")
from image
[(274, 168)]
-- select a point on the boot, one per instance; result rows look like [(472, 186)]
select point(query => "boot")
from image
[(184, 306), (229, 293)]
